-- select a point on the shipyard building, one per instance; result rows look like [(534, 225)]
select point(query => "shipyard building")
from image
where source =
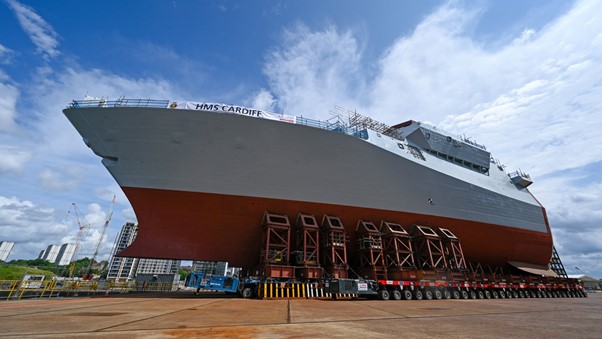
[(59, 255), (6, 248)]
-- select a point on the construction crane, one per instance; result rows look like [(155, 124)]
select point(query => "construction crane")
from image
[(82, 226), (88, 276)]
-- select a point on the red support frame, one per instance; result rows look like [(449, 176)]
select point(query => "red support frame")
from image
[(372, 258), (453, 250), (429, 251), (397, 245), (307, 252), (334, 247), (275, 252)]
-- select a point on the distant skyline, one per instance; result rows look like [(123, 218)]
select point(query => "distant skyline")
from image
[(521, 77)]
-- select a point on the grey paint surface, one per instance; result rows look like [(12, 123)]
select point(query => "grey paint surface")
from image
[(199, 151)]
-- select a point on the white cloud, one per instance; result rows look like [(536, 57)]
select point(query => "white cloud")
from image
[(8, 101), (6, 55), (39, 31), (313, 69), (53, 180), (31, 226), (264, 100), (13, 159)]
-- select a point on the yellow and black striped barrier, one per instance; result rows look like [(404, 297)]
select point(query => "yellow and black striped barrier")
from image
[(281, 290)]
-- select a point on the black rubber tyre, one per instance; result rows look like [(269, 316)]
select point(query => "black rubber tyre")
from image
[(533, 294), (515, 294), (446, 294), (464, 294), (428, 294), (246, 292), (417, 294), (480, 294), (407, 294), (521, 294), (455, 294), (437, 294), (494, 294), (487, 294), (396, 294), (472, 294), (383, 295), (539, 294), (502, 295)]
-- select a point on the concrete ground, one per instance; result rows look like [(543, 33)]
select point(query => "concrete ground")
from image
[(185, 315)]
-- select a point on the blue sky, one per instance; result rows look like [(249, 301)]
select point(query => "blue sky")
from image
[(521, 77)]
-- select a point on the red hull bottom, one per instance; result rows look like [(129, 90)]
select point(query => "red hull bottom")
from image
[(203, 226)]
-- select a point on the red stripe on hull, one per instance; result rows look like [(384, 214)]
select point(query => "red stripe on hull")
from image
[(203, 226)]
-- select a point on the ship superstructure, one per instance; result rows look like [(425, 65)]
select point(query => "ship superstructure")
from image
[(200, 177)]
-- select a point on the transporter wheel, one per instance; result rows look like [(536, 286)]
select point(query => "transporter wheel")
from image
[(446, 294), (509, 294), (455, 294), (502, 295), (417, 295), (383, 295), (437, 294), (428, 294), (521, 294), (514, 294), (533, 294), (487, 294), (480, 294), (464, 294), (554, 294), (246, 292), (494, 294), (407, 294), (538, 294), (472, 294), (396, 294)]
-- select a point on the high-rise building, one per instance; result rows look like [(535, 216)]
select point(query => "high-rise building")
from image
[(157, 266), (5, 248), (51, 252), (210, 267), (123, 268), (41, 256), (65, 254)]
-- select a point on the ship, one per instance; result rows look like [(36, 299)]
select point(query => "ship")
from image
[(200, 176)]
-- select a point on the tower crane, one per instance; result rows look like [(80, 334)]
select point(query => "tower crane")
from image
[(102, 235), (82, 226)]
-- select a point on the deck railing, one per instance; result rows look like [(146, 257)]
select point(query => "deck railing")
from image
[(336, 126), (119, 103)]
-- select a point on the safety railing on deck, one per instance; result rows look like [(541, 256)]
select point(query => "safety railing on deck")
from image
[(336, 126), (119, 103)]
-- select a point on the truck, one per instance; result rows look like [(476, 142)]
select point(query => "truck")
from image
[(245, 288)]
